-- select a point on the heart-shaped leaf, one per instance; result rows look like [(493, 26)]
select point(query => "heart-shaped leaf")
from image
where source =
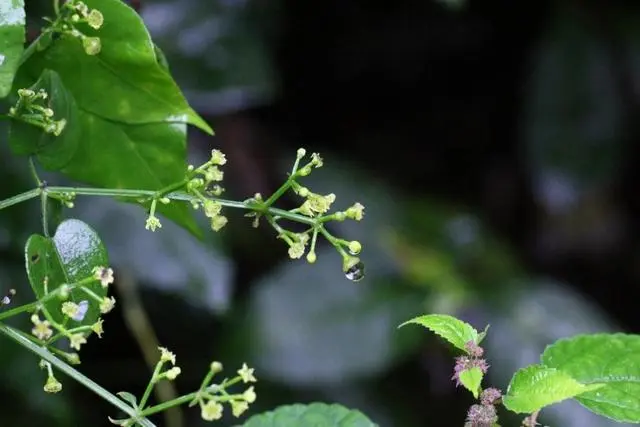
[(455, 331), (124, 82), (70, 256), (609, 359), (536, 386), (314, 414), (12, 31)]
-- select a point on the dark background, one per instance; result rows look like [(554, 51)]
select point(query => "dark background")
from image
[(495, 145)]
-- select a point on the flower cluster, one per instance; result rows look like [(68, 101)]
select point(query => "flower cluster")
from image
[(73, 13), (204, 184), (483, 414), (33, 108), (43, 329), (212, 397)]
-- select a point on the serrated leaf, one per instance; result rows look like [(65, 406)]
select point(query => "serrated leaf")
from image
[(68, 257), (455, 331), (609, 359), (53, 152), (471, 380), (124, 82), (536, 386), (314, 414), (12, 33)]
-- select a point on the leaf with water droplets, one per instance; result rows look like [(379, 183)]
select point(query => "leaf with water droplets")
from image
[(66, 258), (12, 33)]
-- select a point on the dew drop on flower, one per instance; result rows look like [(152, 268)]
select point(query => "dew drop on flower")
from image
[(356, 272)]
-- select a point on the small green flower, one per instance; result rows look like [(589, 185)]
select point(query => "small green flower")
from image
[(104, 275), (311, 257), (213, 173), (95, 19), (153, 223), (107, 304), (354, 247), (41, 329), (218, 222), (172, 373), (212, 208), (296, 250), (249, 395), (167, 356), (52, 385), (246, 374), (76, 340), (211, 411), (216, 367), (355, 212), (91, 45), (238, 407), (97, 328), (316, 160), (70, 309), (218, 158)]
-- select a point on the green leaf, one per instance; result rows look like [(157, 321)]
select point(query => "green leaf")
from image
[(133, 156), (68, 257), (124, 82), (471, 380), (610, 359), (128, 397), (448, 327), (12, 33), (314, 414), (536, 386), (53, 152)]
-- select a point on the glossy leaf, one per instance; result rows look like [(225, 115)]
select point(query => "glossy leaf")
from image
[(12, 34), (314, 414), (610, 359), (536, 386), (471, 380), (53, 152), (124, 82), (68, 257), (132, 156), (455, 331)]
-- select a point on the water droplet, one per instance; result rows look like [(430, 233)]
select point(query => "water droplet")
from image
[(2, 57), (355, 273)]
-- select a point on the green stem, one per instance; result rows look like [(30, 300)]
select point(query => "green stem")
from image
[(127, 193), (152, 382), (279, 192), (34, 172), (76, 375), (44, 213), (18, 310), (23, 197)]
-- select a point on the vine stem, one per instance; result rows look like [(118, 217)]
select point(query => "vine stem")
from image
[(76, 375), (127, 193)]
